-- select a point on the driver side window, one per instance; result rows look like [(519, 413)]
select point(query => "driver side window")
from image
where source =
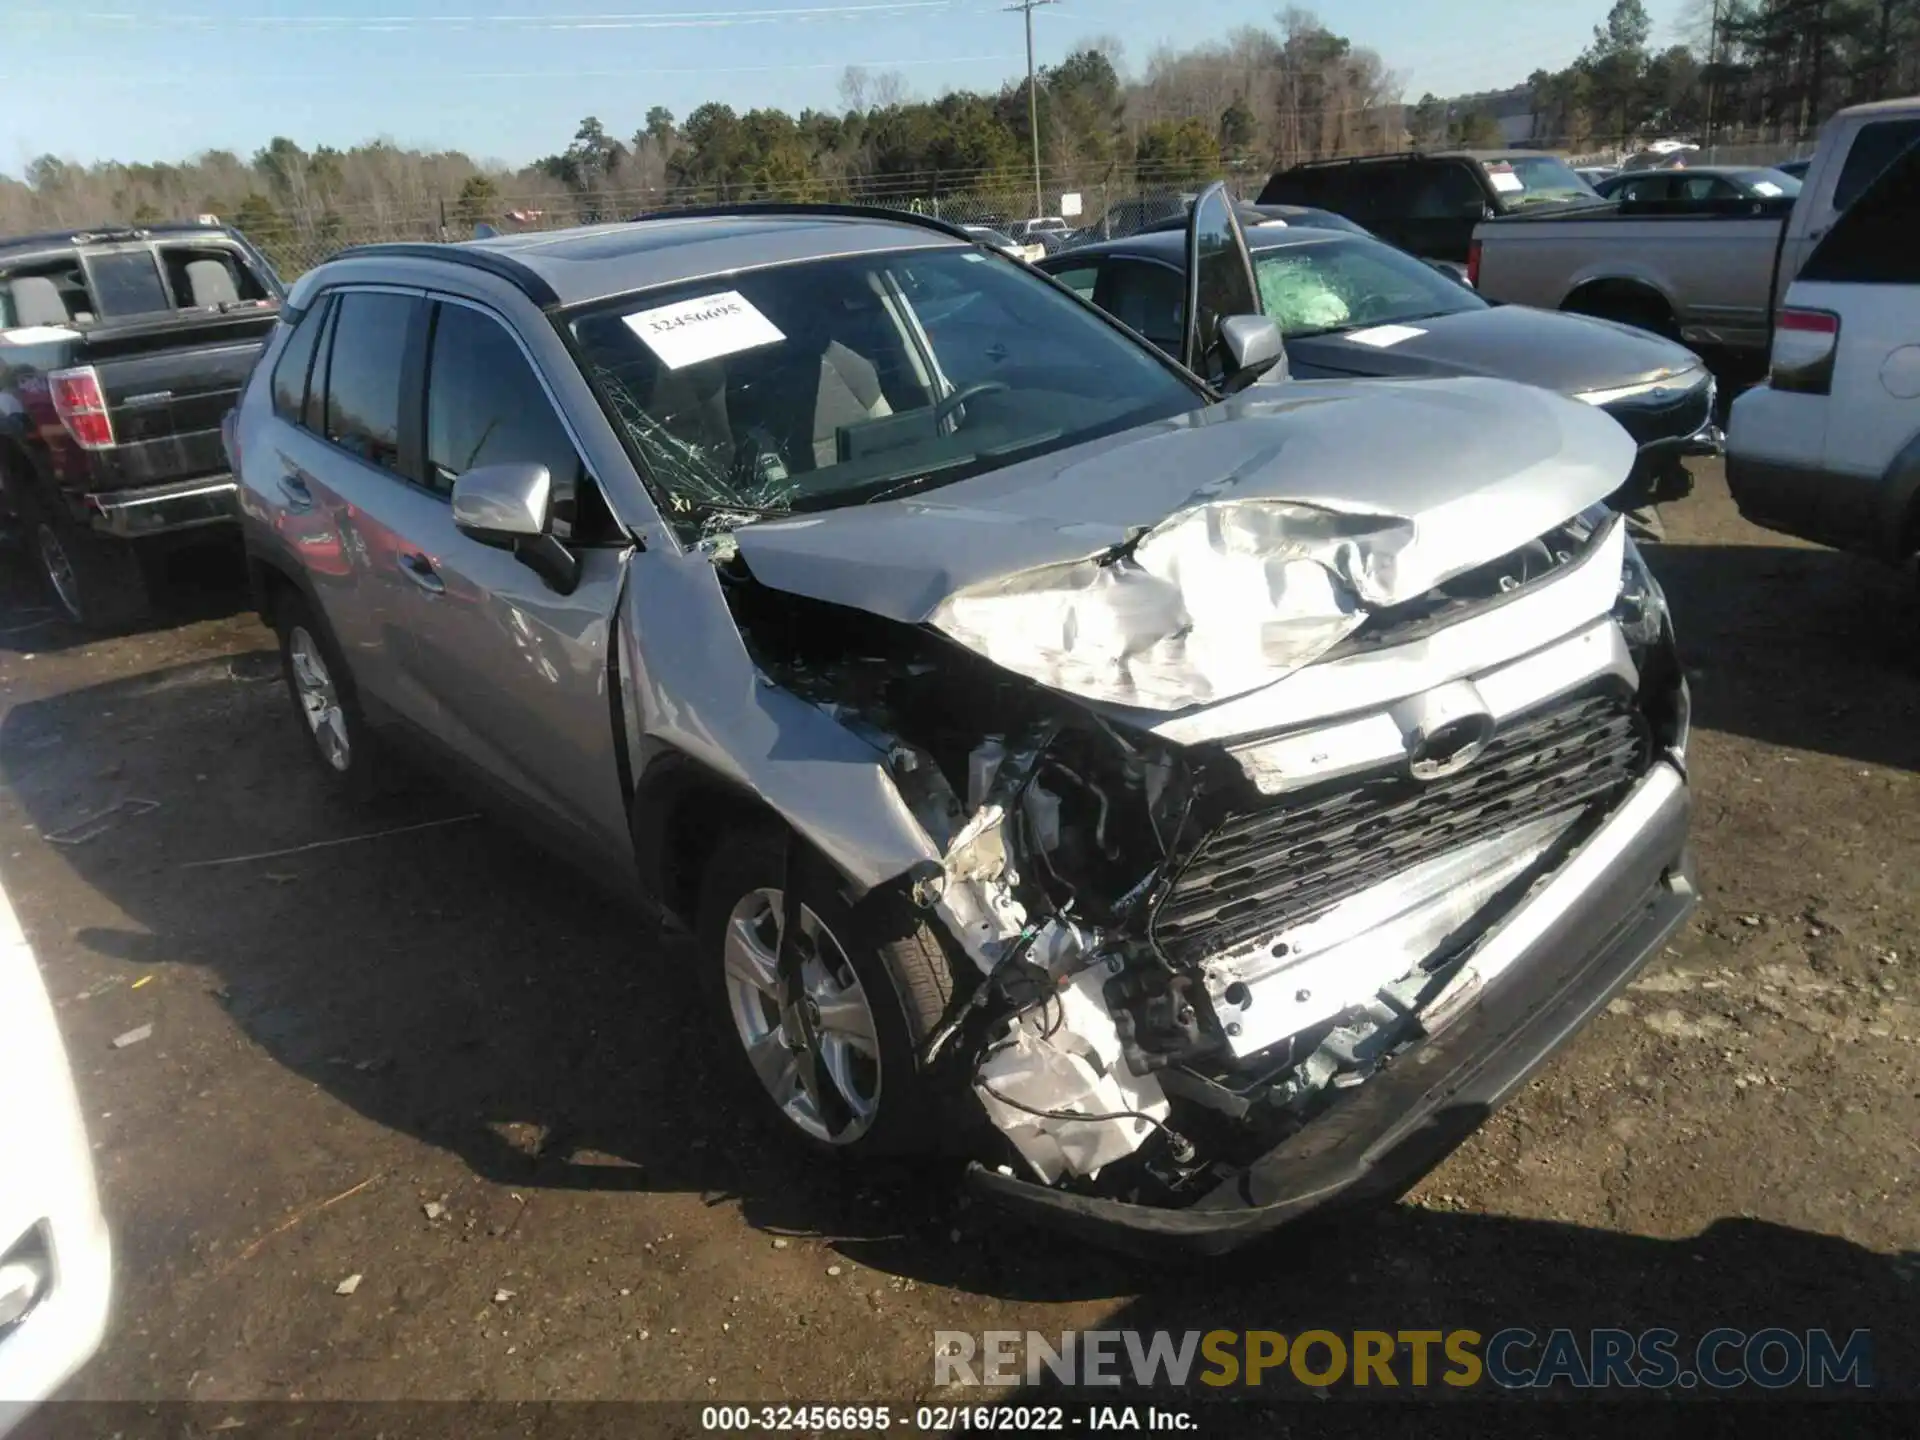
[(485, 406)]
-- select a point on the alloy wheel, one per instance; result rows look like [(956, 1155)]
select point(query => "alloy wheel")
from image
[(319, 699), (811, 1040)]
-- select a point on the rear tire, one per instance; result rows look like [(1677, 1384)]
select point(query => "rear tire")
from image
[(99, 582), (809, 1067), (325, 702)]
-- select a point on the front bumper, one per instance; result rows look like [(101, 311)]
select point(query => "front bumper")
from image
[(160, 509), (1532, 984)]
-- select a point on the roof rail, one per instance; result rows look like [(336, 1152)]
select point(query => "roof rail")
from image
[(751, 208), (502, 267)]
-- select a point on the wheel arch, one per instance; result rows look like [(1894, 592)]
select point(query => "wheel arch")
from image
[(1591, 296), (1901, 499), (268, 580), (682, 809)]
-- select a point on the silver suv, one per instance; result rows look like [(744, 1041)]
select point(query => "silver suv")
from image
[(1196, 798)]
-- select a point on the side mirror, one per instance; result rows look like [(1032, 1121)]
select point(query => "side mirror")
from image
[(1453, 272), (507, 507), (1256, 350), (499, 504)]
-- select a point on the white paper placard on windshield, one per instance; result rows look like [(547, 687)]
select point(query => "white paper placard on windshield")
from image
[(1504, 180), (1383, 337), (689, 331)]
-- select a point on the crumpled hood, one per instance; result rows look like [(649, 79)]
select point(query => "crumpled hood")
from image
[(1206, 556)]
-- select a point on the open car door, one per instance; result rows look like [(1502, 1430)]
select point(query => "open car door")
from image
[(1219, 283)]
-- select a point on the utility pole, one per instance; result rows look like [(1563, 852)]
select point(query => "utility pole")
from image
[(1026, 8), (1713, 69)]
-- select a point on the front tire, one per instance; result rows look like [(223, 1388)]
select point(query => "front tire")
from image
[(834, 1053)]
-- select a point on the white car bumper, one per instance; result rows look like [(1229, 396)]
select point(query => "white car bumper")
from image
[(55, 1255)]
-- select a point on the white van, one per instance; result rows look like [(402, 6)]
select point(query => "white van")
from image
[(1829, 448)]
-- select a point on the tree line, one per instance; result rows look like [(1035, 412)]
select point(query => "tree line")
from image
[(1259, 99), (1753, 70)]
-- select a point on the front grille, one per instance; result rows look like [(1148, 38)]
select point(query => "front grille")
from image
[(1262, 870), (1648, 420)]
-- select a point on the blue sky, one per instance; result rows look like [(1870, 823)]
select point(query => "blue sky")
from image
[(501, 79)]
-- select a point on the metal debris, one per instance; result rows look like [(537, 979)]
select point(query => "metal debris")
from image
[(95, 825)]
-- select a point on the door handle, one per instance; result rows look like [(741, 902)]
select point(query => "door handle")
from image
[(419, 569), (293, 485)]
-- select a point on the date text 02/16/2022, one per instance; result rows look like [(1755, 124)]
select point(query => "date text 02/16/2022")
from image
[(944, 1419)]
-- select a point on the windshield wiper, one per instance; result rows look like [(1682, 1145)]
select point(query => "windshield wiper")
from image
[(685, 507), (924, 480)]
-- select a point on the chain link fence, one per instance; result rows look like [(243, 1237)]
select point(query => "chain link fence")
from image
[(1103, 210)]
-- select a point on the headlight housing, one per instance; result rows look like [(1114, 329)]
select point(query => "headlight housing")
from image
[(1641, 608)]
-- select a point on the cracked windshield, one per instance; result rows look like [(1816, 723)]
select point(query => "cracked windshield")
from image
[(851, 380), (1328, 285)]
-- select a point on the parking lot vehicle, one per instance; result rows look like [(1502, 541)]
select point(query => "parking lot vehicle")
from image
[(1710, 280), (1705, 189), (56, 1257), (1193, 807), (1004, 243), (120, 351), (1050, 232), (1427, 203), (1829, 448), (1350, 305), (1251, 217)]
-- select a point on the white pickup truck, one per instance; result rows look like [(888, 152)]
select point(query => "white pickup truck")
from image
[(1712, 280)]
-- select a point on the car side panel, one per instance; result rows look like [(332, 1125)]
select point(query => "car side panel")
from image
[(517, 674), (1715, 272)]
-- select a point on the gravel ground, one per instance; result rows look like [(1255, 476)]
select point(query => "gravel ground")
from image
[(442, 1063)]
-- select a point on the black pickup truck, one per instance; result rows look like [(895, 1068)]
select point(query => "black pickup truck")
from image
[(121, 350)]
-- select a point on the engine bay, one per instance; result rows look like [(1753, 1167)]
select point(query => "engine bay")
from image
[(1166, 963)]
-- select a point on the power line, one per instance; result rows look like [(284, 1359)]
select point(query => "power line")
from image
[(629, 20)]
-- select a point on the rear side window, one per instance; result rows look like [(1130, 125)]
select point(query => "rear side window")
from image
[(127, 282), (485, 406), (296, 364), (369, 352), (1873, 244), (1644, 190), (1079, 279), (1444, 192), (205, 277), (1147, 298), (1301, 187), (1874, 148)]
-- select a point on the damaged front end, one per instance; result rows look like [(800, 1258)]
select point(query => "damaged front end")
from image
[(1194, 936)]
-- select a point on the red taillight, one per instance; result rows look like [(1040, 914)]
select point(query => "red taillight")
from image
[(1473, 264), (1804, 345), (82, 408)]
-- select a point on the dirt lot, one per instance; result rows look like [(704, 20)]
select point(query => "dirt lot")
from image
[(441, 1062)]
